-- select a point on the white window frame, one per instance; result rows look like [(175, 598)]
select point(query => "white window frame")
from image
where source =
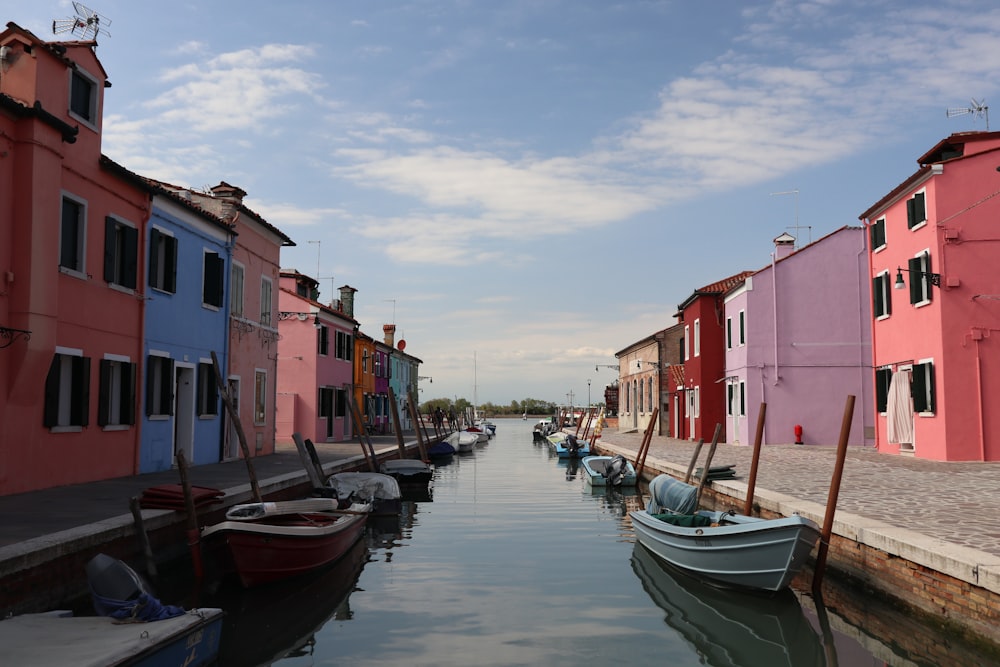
[(743, 328), (266, 301), (687, 342), (697, 337), (93, 117)]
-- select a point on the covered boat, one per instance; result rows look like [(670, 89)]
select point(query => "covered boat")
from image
[(269, 542), (463, 441), (724, 548), (378, 489), (609, 470), (408, 472)]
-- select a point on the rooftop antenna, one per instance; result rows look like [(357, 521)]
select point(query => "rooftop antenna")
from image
[(797, 226), (977, 108), (86, 25), (319, 249)]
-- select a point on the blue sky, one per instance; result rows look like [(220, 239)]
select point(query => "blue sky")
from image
[(527, 187)]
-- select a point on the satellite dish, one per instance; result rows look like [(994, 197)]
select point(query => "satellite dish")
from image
[(401, 344), (87, 23)]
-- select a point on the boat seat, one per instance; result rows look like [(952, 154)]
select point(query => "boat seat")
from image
[(685, 520), (667, 493)]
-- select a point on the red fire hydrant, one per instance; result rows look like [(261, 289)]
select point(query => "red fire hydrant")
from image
[(798, 434)]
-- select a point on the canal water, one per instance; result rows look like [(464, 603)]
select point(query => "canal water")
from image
[(514, 560)]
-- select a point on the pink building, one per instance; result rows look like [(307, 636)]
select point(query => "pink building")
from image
[(315, 361), (71, 273), (936, 304)]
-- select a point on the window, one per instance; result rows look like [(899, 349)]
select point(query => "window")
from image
[(649, 392), (266, 317), (743, 398), (681, 346), (697, 402), (729, 333), (83, 97), (922, 386), (379, 366), (260, 397), (67, 390), (730, 394), (883, 378), (687, 345), (326, 402), (920, 279), (877, 234), (743, 328), (364, 361), (697, 338), (323, 340), (881, 295), (916, 212), (162, 261), (121, 250), (212, 279), (236, 276), (340, 403), (344, 347), (72, 235), (208, 391), (116, 398), (159, 386)]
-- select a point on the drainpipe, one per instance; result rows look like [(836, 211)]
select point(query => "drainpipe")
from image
[(977, 336), (774, 313), (142, 280)]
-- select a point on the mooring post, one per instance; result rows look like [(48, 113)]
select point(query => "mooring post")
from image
[(831, 501)]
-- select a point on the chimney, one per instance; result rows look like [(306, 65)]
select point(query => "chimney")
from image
[(784, 245), (347, 300), (390, 334), (230, 198)]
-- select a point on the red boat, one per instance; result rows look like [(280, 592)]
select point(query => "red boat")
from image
[(274, 541)]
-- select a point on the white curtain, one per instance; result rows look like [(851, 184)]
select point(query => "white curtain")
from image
[(899, 409)]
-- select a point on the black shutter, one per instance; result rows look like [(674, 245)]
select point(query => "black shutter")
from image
[(50, 414), (110, 234), (103, 395), (130, 262), (212, 293), (128, 394), (170, 257), (80, 408), (167, 389), (927, 278), (916, 280), (154, 263), (151, 364)]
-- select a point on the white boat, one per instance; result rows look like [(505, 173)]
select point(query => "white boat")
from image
[(463, 441), (724, 548)]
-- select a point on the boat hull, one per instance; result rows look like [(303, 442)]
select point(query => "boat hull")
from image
[(560, 445), (749, 552), (277, 548), (98, 641), (594, 467)]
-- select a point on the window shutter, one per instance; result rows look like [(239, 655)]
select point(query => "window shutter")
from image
[(928, 291), (130, 261), (50, 414), (128, 394), (170, 257), (212, 291), (103, 397), (154, 260), (110, 238), (80, 410), (167, 389), (916, 280), (151, 365)]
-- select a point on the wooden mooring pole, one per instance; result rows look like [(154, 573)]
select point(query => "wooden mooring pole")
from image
[(831, 501), (758, 440)]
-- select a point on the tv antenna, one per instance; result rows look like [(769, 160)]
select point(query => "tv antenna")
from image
[(796, 226), (87, 23), (977, 108)]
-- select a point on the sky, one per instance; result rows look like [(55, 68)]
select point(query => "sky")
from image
[(526, 187)]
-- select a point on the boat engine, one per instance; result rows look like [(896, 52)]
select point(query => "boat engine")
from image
[(615, 470), (572, 445)]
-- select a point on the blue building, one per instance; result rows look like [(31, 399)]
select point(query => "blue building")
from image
[(186, 320)]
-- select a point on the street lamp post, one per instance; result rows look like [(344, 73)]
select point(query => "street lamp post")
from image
[(588, 394)]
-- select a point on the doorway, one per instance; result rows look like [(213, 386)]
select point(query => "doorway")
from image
[(184, 408)]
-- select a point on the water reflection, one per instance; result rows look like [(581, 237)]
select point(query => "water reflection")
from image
[(730, 628), (270, 622)]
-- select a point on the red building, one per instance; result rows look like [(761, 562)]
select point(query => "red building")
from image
[(71, 273), (703, 390)]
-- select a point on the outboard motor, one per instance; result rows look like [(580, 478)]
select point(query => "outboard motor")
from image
[(615, 470), (572, 445)]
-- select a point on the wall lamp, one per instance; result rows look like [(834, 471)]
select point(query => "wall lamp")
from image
[(425, 377), (600, 366), (932, 278)]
